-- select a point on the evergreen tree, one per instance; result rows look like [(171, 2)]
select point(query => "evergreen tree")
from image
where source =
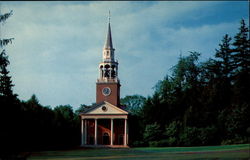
[(241, 54), (8, 101), (224, 56), (5, 80), (241, 57), (4, 41), (222, 85)]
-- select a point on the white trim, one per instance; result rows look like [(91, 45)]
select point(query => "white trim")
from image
[(103, 116), (91, 110), (121, 110)]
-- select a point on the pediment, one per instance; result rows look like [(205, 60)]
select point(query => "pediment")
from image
[(105, 108)]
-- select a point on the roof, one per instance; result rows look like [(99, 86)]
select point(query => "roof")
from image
[(110, 109)]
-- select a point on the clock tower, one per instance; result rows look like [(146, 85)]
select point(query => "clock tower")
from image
[(108, 84), (106, 122)]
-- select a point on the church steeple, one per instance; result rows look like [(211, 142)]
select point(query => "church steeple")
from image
[(108, 50), (108, 83), (108, 66)]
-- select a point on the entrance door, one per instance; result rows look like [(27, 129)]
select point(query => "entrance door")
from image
[(91, 140), (120, 139), (105, 139)]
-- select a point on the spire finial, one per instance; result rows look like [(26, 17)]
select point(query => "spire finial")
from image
[(109, 16)]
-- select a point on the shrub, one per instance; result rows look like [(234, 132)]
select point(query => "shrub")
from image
[(152, 132), (138, 144), (172, 132), (236, 140), (207, 135), (171, 141), (161, 143), (173, 129), (153, 143), (190, 136)]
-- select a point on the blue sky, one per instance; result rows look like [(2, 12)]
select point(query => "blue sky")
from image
[(58, 45)]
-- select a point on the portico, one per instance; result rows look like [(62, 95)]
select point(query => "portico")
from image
[(104, 125)]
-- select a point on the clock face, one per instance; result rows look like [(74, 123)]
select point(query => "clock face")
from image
[(106, 91)]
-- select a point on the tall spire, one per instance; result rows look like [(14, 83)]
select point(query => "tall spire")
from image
[(108, 44)]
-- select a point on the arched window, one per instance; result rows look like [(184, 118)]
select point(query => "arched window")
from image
[(106, 73), (107, 66)]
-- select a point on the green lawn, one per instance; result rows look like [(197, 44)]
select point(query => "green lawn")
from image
[(234, 152)]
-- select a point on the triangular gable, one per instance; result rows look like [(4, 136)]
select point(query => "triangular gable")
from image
[(105, 108)]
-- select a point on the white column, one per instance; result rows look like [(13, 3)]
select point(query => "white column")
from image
[(111, 134), (125, 133), (85, 131), (100, 70), (95, 131), (82, 134)]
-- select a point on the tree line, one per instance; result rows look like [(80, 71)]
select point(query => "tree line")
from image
[(28, 125), (200, 103)]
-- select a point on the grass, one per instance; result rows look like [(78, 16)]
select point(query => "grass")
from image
[(234, 152)]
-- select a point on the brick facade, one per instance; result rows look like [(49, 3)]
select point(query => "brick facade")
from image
[(103, 129), (113, 98)]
